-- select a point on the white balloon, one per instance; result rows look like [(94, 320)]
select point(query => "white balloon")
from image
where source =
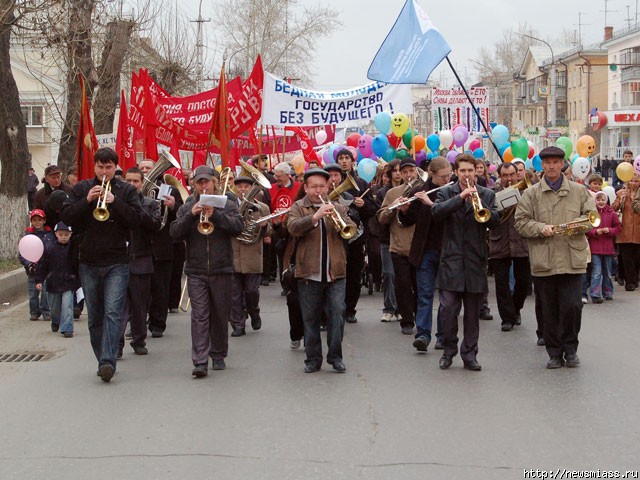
[(611, 193), (321, 137), (446, 138), (581, 167)]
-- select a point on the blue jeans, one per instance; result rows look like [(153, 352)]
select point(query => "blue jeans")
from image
[(38, 304), (388, 289), (314, 297), (601, 283), (426, 281), (62, 309), (105, 291)]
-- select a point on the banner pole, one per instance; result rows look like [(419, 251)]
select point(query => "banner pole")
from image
[(474, 108)]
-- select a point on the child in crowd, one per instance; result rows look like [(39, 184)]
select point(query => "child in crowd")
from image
[(62, 280), (595, 183), (38, 304), (601, 243)]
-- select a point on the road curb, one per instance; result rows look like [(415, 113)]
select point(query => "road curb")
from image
[(12, 284)]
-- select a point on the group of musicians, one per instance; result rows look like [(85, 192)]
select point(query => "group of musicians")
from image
[(438, 240)]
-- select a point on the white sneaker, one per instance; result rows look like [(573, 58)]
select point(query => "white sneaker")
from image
[(585, 300), (387, 317), (294, 345)]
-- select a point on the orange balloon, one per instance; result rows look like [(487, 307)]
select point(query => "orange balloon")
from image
[(585, 146), (298, 164), (625, 171), (419, 143), (507, 155)]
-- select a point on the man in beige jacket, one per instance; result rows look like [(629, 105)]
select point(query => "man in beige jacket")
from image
[(557, 261)]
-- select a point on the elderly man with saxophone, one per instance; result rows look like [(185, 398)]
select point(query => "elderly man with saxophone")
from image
[(319, 228), (104, 209), (466, 210), (207, 232), (548, 216), (248, 256)]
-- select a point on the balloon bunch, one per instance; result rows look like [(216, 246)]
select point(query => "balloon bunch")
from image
[(580, 161)]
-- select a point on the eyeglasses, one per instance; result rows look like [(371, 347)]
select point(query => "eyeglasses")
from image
[(444, 177)]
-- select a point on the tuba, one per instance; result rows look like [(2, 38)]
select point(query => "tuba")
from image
[(248, 207), (579, 225), (347, 184), (164, 163)]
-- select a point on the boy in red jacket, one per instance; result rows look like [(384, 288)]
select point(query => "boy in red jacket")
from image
[(601, 243)]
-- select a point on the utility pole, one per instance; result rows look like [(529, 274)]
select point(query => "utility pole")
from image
[(199, 50)]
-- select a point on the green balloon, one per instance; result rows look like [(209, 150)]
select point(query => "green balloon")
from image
[(408, 137), (520, 148), (565, 144), (402, 154), (390, 154)]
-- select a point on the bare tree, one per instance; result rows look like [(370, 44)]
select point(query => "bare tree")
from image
[(14, 153), (283, 33)]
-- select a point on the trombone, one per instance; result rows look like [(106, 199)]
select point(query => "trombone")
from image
[(481, 214), (345, 230), (101, 213)]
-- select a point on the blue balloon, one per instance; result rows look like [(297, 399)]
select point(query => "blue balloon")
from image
[(536, 161), (432, 155), (367, 169), (380, 144), (390, 154), (500, 135), (503, 148), (478, 153), (527, 163), (382, 121), (433, 142)]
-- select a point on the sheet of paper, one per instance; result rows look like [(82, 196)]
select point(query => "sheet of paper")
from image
[(163, 191), (216, 201), (79, 295)]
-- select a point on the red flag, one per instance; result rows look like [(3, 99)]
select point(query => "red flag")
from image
[(219, 133), (305, 144), (87, 141), (124, 142)]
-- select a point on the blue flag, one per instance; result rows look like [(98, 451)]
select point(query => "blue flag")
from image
[(412, 50)]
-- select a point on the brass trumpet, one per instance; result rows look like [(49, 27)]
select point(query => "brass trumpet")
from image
[(481, 214), (345, 230), (579, 225), (205, 226), (101, 213)]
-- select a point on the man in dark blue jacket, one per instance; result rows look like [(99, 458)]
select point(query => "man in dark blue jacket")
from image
[(209, 269), (104, 261)]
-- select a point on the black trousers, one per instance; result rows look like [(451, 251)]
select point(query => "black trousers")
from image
[(509, 305), (355, 264), (561, 302), (245, 295), (630, 253), (159, 305), (404, 282), (450, 303), (539, 318), (135, 309), (373, 258), (296, 325), (177, 266)]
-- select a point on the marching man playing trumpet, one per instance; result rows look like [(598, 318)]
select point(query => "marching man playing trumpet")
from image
[(558, 262), (207, 232), (466, 210), (320, 268), (103, 210)]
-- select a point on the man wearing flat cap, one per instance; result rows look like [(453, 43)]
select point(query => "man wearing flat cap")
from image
[(209, 269), (558, 261), (248, 258), (320, 269), (52, 183)]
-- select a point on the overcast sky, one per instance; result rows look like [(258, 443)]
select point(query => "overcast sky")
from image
[(342, 58)]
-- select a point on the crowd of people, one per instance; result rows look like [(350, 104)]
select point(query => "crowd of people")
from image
[(416, 234)]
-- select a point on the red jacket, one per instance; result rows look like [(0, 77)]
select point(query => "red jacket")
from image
[(283, 197), (603, 244)]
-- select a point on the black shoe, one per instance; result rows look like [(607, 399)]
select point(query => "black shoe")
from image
[(421, 343), (67, 334), (55, 327), (571, 360), (486, 316), (256, 322), (219, 364), (128, 334), (620, 281), (33, 318), (140, 350), (439, 344), (238, 332), (507, 327), (540, 342), (445, 362), (105, 372), (76, 312), (339, 367), (200, 371), (311, 368), (407, 330), (518, 319), (264, 282), (630, 288), (555, 362), (352, 319), (283, 293), (473, 365), (597, 300), (157, 333)]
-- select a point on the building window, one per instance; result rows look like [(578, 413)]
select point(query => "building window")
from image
[(630, 56), (630, 94), (561, 78), (33, 115)]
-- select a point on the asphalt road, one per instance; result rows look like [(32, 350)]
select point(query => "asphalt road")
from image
[(393, 415)]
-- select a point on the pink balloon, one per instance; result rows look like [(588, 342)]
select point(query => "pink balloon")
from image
[(492, 168), (354, 151), (474, 144), (31, 248), (364, 145), (321, 137), (460, 136)]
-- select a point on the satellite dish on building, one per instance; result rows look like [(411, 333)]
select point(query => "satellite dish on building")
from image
[(614, 106)]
